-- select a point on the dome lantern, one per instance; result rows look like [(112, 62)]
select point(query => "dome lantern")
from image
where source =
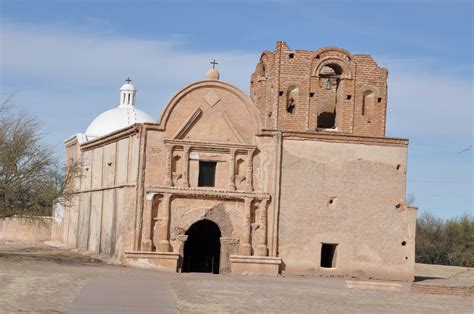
[(127, 94)]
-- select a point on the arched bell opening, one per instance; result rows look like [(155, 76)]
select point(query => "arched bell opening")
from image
[(330, 79), (202, 248)]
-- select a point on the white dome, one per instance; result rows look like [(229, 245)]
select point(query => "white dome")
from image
[(121, 117), (116, 119)]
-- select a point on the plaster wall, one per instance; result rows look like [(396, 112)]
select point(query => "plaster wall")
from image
[(32, 229), (349, 195), (101, 217)]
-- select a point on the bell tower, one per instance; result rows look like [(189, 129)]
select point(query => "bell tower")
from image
[(326, 90)]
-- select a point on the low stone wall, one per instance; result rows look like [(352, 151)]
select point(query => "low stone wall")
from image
[(434, 289), (31, 229)]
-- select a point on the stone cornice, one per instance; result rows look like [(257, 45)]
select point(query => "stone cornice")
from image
[(207, 192), (336, 137), (112, 137), (211, 146)]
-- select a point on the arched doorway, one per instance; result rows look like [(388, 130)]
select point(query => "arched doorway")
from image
[(202, 248)]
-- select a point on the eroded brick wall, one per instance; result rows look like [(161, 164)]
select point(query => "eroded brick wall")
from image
[(290, 89)]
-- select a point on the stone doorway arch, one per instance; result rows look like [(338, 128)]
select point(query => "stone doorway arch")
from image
[(202, 248)]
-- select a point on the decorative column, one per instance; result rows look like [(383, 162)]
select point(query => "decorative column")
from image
[(262, 239), (245, 247), (231, 185), (249, 176), (186, 166), (147, 243), (164, 245), (169, 160)]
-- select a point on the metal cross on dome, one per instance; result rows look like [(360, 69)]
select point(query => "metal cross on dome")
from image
[(128, 80), (213, 62)]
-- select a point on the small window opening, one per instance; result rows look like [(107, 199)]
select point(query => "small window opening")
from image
[(379, 99), (291, 100), (128, 99), (349, 97), (328, 255), (291, 55), (207, 173), (280, 93), (367, 102), (123, 99)]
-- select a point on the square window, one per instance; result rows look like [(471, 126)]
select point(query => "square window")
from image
[(207, 173), (328, 255)]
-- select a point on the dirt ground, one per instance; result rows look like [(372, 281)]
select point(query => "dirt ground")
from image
[(39, 278)]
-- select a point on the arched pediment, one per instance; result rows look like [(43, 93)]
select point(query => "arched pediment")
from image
[(211, 111), (333, 57)]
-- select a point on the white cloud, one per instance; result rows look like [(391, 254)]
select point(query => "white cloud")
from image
[(90, 59), (75, 66)]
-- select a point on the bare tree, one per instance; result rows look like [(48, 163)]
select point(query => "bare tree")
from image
[(31, 178)]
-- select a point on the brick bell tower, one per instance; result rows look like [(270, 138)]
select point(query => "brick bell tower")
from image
[(326, 90)]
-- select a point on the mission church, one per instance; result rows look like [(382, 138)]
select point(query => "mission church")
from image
[(296, 178)]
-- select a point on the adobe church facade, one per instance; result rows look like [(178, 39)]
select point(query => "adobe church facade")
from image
[(297, 178)]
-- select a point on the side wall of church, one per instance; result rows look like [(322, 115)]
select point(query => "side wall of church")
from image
[(348, 195), (101, 216)]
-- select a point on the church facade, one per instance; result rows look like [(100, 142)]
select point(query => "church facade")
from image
[(297, 178)]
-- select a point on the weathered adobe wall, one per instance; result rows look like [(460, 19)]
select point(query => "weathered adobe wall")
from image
[(362, 84), (102, 215), (365, 184), (30, 229)]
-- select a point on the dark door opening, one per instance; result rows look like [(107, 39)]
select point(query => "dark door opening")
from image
[(328, 255), (207, 173), (202, 248)]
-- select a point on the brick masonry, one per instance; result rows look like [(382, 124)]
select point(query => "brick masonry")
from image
[(284, 77)]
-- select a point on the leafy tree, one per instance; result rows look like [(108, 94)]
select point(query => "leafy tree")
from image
[(445, 242), (30, 176)]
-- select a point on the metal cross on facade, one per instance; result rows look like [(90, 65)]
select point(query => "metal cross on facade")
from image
[(213, 62), (128, 80)]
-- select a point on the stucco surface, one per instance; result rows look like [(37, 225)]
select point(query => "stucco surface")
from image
[(345, 194)]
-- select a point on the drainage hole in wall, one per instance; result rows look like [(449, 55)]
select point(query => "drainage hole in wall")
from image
[(404, 243)]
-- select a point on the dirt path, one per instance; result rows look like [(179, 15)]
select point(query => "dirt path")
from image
[(38, 278)]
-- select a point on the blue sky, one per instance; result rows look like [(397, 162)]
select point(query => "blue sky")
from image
[(65, 61)]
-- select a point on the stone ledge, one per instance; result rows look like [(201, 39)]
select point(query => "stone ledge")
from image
[(370, 285), (164, 261), (206, 192), (255, 265)]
